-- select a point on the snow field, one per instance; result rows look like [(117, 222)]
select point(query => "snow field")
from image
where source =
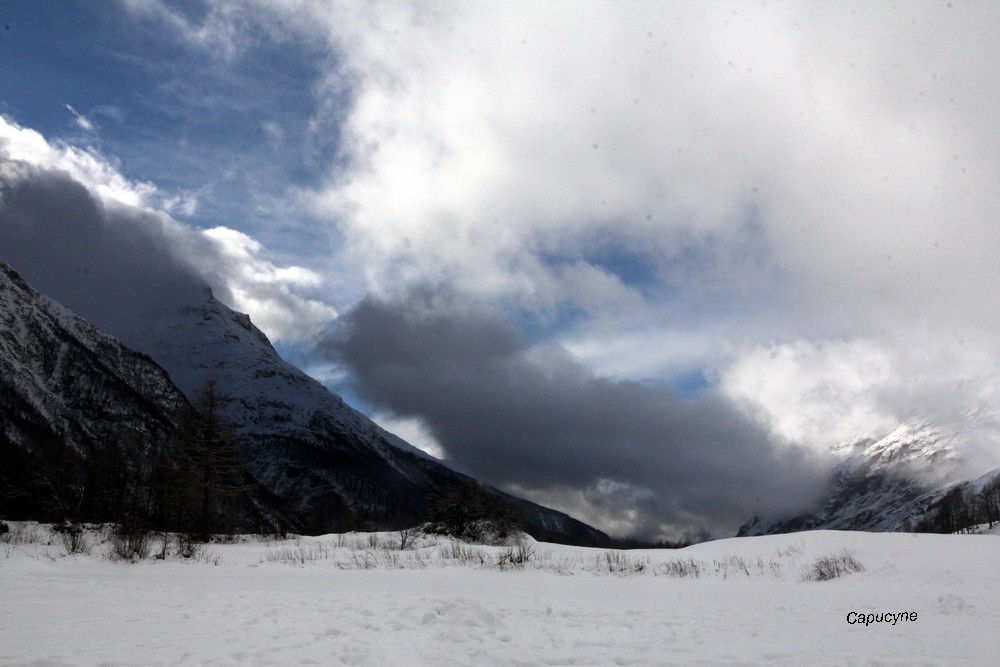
[(356, 599)]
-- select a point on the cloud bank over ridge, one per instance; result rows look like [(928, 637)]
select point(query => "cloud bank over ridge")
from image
[(105, 247), (626, 455)]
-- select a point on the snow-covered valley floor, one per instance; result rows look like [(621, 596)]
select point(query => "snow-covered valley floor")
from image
[(357, 599)]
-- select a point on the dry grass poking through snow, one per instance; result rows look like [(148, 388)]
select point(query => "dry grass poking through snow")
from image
[(826, 568), (382, 551), (417, 551)]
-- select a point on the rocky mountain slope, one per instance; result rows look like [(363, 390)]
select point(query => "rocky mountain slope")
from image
[(60, 378)]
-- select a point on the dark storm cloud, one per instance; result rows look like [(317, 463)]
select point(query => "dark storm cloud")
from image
[(532, 418), (78, 238), (115, 265)]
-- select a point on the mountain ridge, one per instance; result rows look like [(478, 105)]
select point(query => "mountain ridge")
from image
[(322, 464), (289, 417)]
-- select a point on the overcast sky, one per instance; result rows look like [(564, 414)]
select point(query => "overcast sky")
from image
[(607, 255)]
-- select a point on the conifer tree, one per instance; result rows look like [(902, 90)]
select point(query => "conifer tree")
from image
[(210, 487)]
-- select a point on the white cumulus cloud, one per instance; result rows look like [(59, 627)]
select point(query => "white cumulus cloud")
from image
[(234, 264)]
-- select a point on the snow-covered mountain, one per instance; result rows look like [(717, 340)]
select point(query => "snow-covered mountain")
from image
[(308, 447), (886, 483), (321, 464), (60, 378)]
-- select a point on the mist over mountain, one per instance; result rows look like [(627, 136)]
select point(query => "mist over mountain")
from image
[(895, 482)]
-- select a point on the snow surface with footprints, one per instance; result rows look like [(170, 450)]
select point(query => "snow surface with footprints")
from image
[(356, 599)]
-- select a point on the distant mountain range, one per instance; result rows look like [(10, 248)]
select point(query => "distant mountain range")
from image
[(891, 483), (320, 464)]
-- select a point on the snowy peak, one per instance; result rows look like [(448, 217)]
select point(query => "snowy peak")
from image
[(271, 397), (917, 449), (888, 483)]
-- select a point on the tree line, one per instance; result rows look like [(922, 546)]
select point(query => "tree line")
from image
[(194, 481), (963, 508)]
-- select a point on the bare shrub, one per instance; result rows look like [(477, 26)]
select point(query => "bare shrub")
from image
[(364, 560), (356, 543), (301, 554), (289, 555), (826, 568), (407, 536), (679, 568), (129, 542), (469, 512), (188, 545), (463, 555), (74, 537), (206, 556), (418, 560), (370, 560), (20, 534), (516, 556), (617, 562), (164, 546)]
